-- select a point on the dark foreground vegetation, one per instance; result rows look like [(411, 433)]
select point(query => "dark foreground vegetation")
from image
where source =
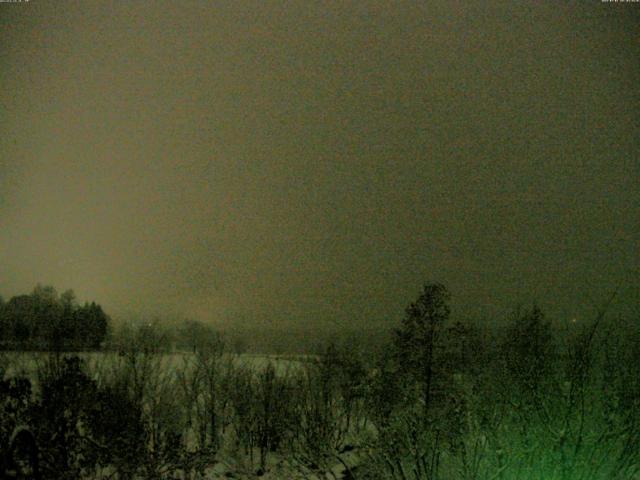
[(440, 401)]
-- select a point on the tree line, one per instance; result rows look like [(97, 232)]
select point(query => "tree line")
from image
[(439, 400), (45, 320)]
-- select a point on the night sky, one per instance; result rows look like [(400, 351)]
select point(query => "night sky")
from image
[(314, 163)]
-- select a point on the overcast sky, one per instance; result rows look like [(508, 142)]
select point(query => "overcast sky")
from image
[(315, 162)]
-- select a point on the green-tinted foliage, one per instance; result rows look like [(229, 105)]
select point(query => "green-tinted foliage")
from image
[(521, 402), (421, 327), (528, 349)]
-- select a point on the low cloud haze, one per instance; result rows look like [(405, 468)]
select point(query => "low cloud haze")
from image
[(313, 164)]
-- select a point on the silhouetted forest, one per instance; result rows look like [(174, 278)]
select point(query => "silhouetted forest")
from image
[(44, 320), (439, 401)]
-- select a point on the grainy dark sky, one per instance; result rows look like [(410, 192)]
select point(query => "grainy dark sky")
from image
[(313, 163)]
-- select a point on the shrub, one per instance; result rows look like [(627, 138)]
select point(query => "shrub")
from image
[(60, 416), (116, 425), (15, 402)]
